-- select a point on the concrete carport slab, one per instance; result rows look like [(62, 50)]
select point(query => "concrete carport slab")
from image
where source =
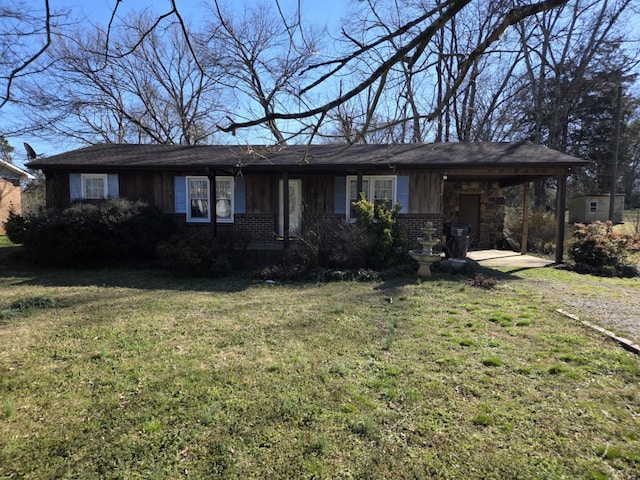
[(507, 258)]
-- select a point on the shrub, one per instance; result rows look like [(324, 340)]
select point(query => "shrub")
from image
[(195, 256), (89, 233), (541, 234), (27, 304), (389, 238), (36, 302), (15, 226), (335, 244), (597, 246)]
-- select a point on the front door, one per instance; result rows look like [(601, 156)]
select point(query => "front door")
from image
[(470, 213), (295, 208)]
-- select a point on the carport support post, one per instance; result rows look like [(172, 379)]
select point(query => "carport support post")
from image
[(525, 220), (561, 206)]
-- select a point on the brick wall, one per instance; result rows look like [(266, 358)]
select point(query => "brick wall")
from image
[(247, 230), (258, 231), (415, 223), (10, 198)]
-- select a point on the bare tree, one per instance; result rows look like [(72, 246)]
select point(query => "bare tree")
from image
[(426, 27), (561, 47), (408, 70), (264, 54), (459, 79), (24, 37), (155, 93)]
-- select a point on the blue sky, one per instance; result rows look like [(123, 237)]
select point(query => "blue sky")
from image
[(320, 12)]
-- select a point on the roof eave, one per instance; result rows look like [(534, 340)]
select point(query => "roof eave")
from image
[(16, 170)]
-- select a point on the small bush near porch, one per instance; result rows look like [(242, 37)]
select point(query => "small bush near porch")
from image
[(124, 374), (597, 248)]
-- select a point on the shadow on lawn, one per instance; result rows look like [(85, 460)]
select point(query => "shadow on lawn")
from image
[(436, 277), (15, 269)]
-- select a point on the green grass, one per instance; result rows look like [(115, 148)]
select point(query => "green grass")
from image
[(631, 219), (4, 241), (131, 374)]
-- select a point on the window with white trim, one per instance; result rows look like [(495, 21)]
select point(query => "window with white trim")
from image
[(94, 185), (377, 189), (199, 199), (224, 199), (593, 206)]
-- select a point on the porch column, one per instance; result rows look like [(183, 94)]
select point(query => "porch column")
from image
[(358, 185), (561, 205), (211, 175), (525, 220), (285, 208)]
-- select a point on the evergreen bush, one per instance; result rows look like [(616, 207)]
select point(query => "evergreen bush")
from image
[(389, 243), (15, 227), (90, 233)]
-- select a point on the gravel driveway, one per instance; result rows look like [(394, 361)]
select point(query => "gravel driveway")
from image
[(615, 308)]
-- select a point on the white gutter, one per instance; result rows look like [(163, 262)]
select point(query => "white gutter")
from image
[(15, 170)]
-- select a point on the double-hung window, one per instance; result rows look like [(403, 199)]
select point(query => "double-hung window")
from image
[(199, 199), (377, 189), (224, 199), (94, 186)]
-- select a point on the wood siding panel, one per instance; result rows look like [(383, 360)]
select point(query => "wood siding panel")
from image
[(138, 186), (318, 193), (154, 188), (58, 193), (262, 193), (425, 191), (163, 192)]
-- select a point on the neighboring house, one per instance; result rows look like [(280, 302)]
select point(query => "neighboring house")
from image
[(592, 208), (244, 192), (11, 178)]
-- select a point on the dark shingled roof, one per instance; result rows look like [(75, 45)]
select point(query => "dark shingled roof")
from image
[(434, 155)]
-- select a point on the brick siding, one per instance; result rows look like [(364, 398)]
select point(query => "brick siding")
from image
[(10, 198), (258, 231)]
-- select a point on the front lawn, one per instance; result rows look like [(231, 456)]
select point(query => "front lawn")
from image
[(131, 374), (5, 242)]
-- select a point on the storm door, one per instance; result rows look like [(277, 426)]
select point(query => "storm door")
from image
[(295, 208)]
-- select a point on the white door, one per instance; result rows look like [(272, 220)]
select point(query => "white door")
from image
[(295, 208)]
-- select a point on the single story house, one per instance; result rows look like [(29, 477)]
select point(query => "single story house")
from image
[(11, 178), (265, 194)]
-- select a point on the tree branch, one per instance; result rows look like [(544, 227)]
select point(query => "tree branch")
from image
[(418, 43), (14, 73)]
